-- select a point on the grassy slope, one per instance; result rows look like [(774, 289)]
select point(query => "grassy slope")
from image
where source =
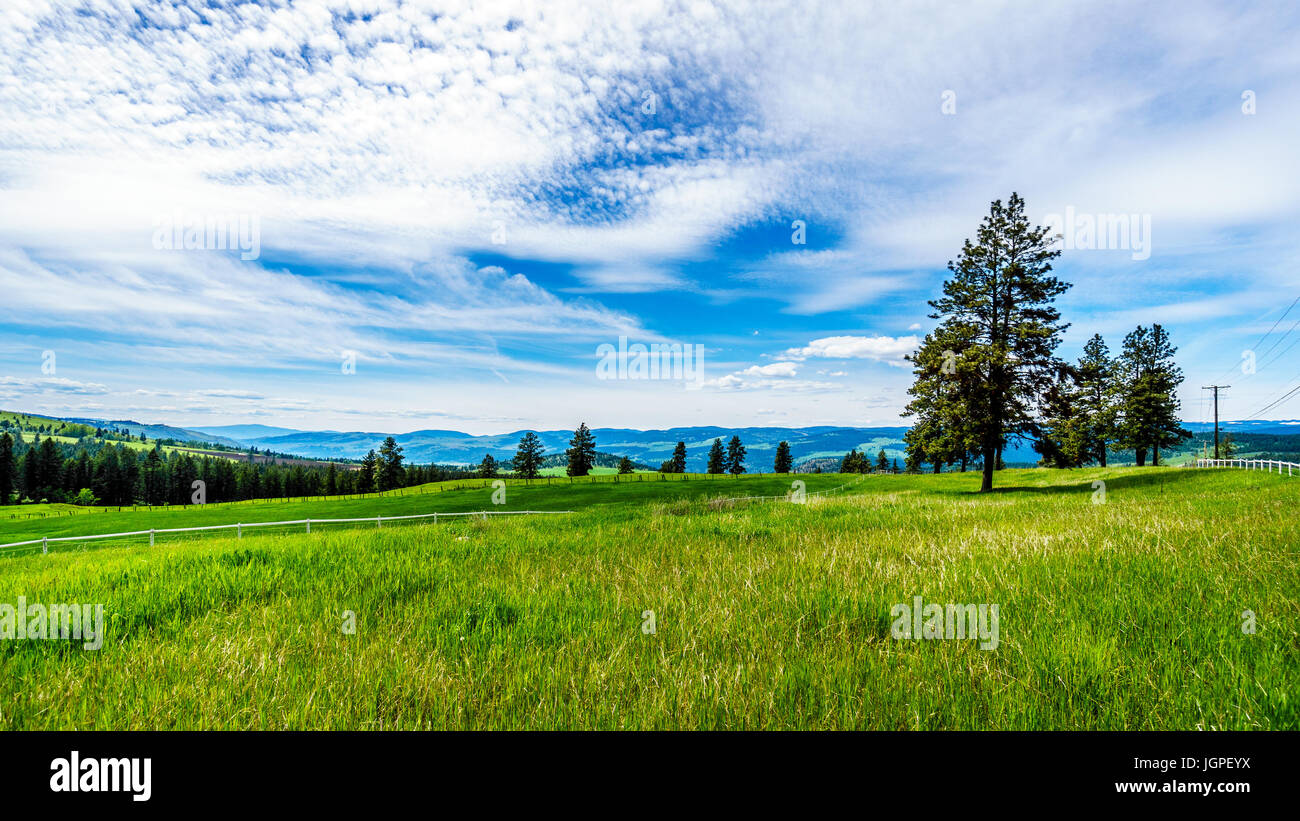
[(1119, 616), (454, 496)]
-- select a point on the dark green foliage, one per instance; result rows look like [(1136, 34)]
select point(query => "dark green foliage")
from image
[(782, 462), (997, 319), (678, 460), (528, 457), (389, 467), (735, 461), (581, 452), (717, 458)]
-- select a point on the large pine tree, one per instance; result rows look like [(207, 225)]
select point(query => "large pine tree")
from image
[(581, 452), (1148, 407), (735, 463), (528, 457), (782, 462), (678, 462), (717, 457), (1095, 398), (997, 309), (389, 467), (366, 476)]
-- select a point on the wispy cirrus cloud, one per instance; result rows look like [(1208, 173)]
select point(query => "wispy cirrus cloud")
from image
[(461, 195)]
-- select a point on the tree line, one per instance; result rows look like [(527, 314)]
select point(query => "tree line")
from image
[(989, 372), (109, 473), (580, 457)]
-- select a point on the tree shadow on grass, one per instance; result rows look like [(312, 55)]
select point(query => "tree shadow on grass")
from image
[(1157, 477)]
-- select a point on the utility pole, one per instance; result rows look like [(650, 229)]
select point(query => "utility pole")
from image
[(1215, 388)]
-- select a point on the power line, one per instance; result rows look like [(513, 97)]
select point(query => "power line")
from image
[(1269, 331), (1275, 324), (1280, 353), (1276, 402), (1280, 339)]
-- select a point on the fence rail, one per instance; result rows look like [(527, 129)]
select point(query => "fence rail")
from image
[(1250, 464), (238, 527)]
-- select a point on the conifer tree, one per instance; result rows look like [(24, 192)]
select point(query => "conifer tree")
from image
[(782, 463), (1148, 404), (996, 313), (735, 462), (717, 457), (581, 452), (678, 461), (366, 476), (528, 457), (8, 468), (389, 467)]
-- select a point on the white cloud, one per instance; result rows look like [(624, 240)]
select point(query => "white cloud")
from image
[(887, 349)]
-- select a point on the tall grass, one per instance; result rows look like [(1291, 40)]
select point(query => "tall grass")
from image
[(1123, 615)]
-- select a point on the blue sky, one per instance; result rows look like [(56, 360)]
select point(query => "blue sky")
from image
[(469, 199)]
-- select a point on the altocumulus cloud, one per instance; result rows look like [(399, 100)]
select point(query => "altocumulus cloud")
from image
[(887, 349)]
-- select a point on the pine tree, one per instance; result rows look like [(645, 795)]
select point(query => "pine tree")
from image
[(942, 433), (1148, 405), (8, 468), (581, 452), (853, 462), (735, 463), (1228, 446), (997, 310), (487, 469), (1063, 433), (389, 467), (152, 477), (782, 463), (50, 465), (717, 457), (366, 476), (332, 480), (625, 465), (1095, 398), (882, 462), (678, 461), (528, 457)]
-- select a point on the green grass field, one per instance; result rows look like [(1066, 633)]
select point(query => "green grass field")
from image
[(23, 522), (1122, 615)]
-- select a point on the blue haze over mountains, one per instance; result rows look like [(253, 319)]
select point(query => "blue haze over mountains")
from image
[(650, 447)]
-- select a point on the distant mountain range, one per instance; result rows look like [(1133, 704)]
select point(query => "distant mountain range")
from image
[(162, 431), (650, 447)]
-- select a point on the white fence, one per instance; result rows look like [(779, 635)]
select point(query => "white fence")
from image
[(238, 527), (1249, 464)]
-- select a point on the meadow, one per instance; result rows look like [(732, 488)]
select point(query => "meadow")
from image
[(1120, 615)]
